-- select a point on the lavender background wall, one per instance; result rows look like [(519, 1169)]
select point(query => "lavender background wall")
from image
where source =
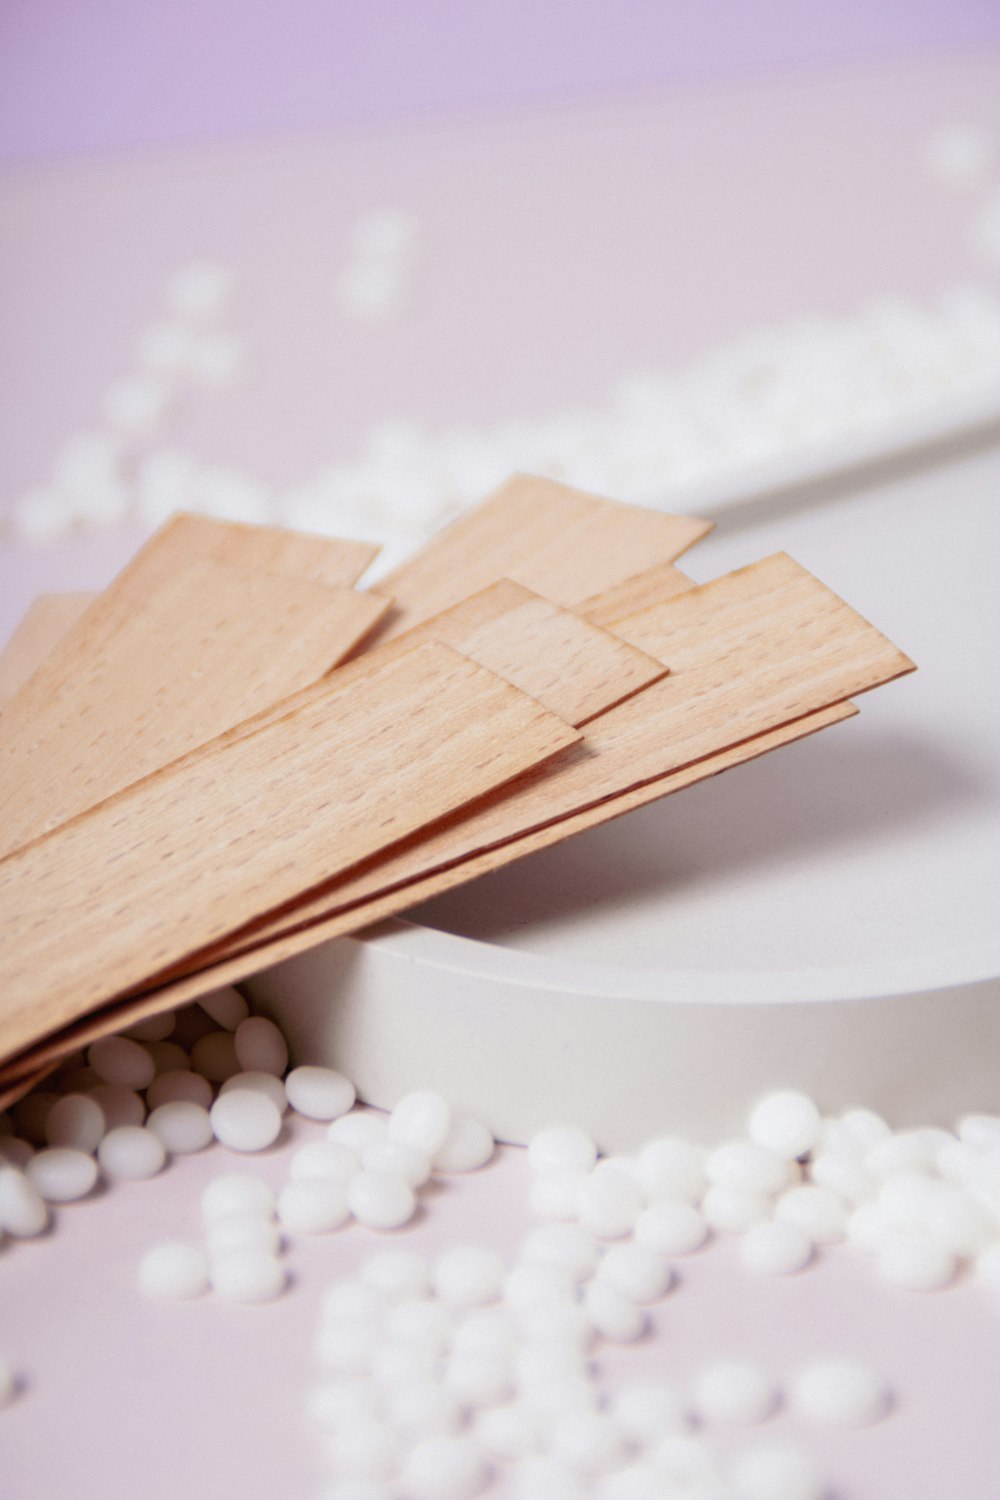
[(98, 75)]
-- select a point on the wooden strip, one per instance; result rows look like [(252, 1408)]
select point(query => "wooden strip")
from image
[(45, 623), (751, 651), (645, 591), (210, 646), (560, 542), (392, 903), (180, 860)]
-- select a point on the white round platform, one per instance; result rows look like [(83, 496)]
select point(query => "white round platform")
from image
[(826, 917)]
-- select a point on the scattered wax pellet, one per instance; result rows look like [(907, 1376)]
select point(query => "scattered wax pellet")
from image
[(988, 1267), (62, 1174), (421, 1120), (353, 1299), (174, 1270), (555, 1195), (153, 1028), (260, 1046), (613, 1315), (183, 1127), (510, 1432), (917, 1264), (348, 1349), (567, 1245), (590, 1442), (479, 1380), (645, 1410), (734, 1391), (131, 1152), (639, 1274), (237, 1192), (444, 1468), (776, 1472), (546, 1478), (359, 1128), (75, 1120), (747, 1167), (528, 1286), (313, 1205), (671, 1168), (399, 1275), (610, 1201), (135, 404), (561, 1148), (226, 1007), (23, 1212), (173, 1088), (730, 1210), (776, 1249), (380, 1201), (420, 1321), (241, 1231), (330, 1159), (245, 1120), (685, 1460), (214, 1056), (398, 1160), (168, 1057), (250, 1275), (844, 1174), (817, 1211), (639, 1481), (366, 1449), (468, 1146), (424, 1409), (786, 1122), (117, 1059), (268, 1084), (469, 1276), (398, 1367), (119, 1105), (199, 289), (31, 1113), (838, 1391), (671, 1228), (319, 1093)]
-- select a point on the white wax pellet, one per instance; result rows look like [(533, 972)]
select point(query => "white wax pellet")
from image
[(685, 1461), (241, 1231), (610, 1201), (135, 405), (555, 1195), (260, 1046), (510, 1432), (397, 1160), (399, 1275), (168, 1057), (62, 1174), (981, 1132), (613, 1315), (645, 1410), (339, 1403), (248, 1276), (214, 1056), (529, 1285), (267, 1084), (729, 1210), (956, 1221), (347, 1300), (398, 1367), (347, 1348), (988, 1267), (313, 1205), (561, 1148), (444, 1468), (31, 1113), (546, 1478), (479, 1380), (152, 1028), (420, 1321), (561, 1396), (486, 1330), (199, 289), (319, 1093), (747, 1167), (567, 1245), (75, 1120), (131, 1153), (776, 1249), (329, 1159), (359, 1128), (541, 1363), (183, 1127), (8, 1383), (639, 1481), (590, 1442), (172, 1088), (864, 1128), (734, 1391), (559, 1322), (237, 1192), (164, 347), (917, 1264), (117, 1059), (776, 1472), (817, 1211), (786, 1122), (671, 1228), (671, 1168), (869, 1228), (14, 1152), (838, 1391), (380, 1201), (421, 1120), (467, 1146), (245, 1120), (22, 1209), (638, 1273), (424, 1409), (907, 1151), (174, 1269), (844, 1174), (469, 1276), (226, 1007)]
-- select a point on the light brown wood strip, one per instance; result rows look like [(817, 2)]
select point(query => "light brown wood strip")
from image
[(178, 861), (558, 541), (395, 902), (44, 624), (642, 592), (749, 652), (210, 646)]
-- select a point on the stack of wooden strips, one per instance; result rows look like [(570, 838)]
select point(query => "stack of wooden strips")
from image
[(233, 754)]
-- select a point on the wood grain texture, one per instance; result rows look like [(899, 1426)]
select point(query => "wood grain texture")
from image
[(174, 863), (749, 652), (209, 646), (43, 625), (645, 591), (395, 902), (558, 541)]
